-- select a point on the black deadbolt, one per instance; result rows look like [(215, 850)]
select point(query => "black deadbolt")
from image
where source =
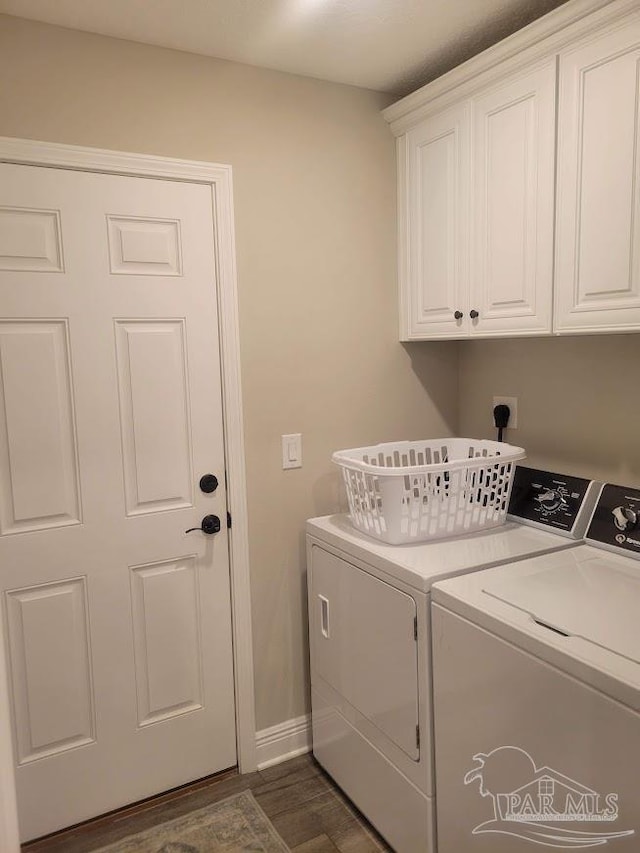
[(209, 483), (210, 524)]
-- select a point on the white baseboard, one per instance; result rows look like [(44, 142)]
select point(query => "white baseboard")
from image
[(284, 741)]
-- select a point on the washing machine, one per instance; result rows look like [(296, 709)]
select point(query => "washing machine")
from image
[(370, 645), (537, 696)]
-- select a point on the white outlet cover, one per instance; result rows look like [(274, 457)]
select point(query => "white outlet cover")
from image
[(512, 402)]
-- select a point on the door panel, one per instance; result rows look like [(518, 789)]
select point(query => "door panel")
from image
[(37, 431), (144, 246), (437, 192), (154, 410), (514, 155), (111, 398), (30, 240), (50, 663), (598, 254), (167, 630)]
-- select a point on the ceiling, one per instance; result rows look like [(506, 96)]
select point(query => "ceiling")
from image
[(388, 45)]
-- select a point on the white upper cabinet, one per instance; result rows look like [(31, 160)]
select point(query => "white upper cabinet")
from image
[(511, 270), (598, 226), (437, 222), (477, 226), (529, 148)]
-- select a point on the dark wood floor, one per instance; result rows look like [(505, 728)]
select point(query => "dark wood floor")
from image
[(304, 805)]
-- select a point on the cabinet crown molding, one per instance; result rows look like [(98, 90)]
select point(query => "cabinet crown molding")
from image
[(542, 38)]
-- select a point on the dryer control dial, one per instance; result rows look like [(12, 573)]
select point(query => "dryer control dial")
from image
[(624, 518), (554, 501), (551, 499)]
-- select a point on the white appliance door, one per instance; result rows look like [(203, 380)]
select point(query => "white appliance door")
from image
[(118, 624), (527, 757), (594, 601), (364, 646)]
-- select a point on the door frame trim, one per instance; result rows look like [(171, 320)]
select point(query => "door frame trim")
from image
[(219, 177)]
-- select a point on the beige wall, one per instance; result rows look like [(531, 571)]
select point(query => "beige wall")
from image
[(315, 196), (314, 179), (578, 400)]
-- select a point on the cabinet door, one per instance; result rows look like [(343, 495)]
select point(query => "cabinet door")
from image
[(598, 237), (513, 143), (434, 226)]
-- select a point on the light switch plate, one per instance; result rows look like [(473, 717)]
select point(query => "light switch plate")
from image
[(292, 451)]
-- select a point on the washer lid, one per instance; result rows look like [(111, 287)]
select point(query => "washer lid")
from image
[(597, 600)]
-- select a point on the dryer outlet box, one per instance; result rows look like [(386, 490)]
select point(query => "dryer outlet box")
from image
[(512, 402)]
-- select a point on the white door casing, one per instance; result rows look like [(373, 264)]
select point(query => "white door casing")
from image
[(49, 344)]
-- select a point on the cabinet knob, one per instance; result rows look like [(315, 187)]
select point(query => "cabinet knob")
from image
[(458, 315), (474, 314)]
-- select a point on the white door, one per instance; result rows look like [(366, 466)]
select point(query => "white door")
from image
[(511, 272), (434, 286), (598, 240), (117, 622)]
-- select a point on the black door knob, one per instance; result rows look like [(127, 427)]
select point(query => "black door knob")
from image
[(210, 524), (474, 314), (208, 483), (458, 315)]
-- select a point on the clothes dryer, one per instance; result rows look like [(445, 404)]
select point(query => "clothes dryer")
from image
[(370, 641)]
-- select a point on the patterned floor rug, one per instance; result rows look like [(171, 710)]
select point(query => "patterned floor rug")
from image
[(234, 824)]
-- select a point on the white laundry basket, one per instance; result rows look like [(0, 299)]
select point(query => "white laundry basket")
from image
[(409, 491)]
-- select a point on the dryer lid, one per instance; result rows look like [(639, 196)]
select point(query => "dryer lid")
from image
[(597, 600)]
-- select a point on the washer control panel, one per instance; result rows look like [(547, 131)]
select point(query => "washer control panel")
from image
[(554, 501), (616, 519)]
